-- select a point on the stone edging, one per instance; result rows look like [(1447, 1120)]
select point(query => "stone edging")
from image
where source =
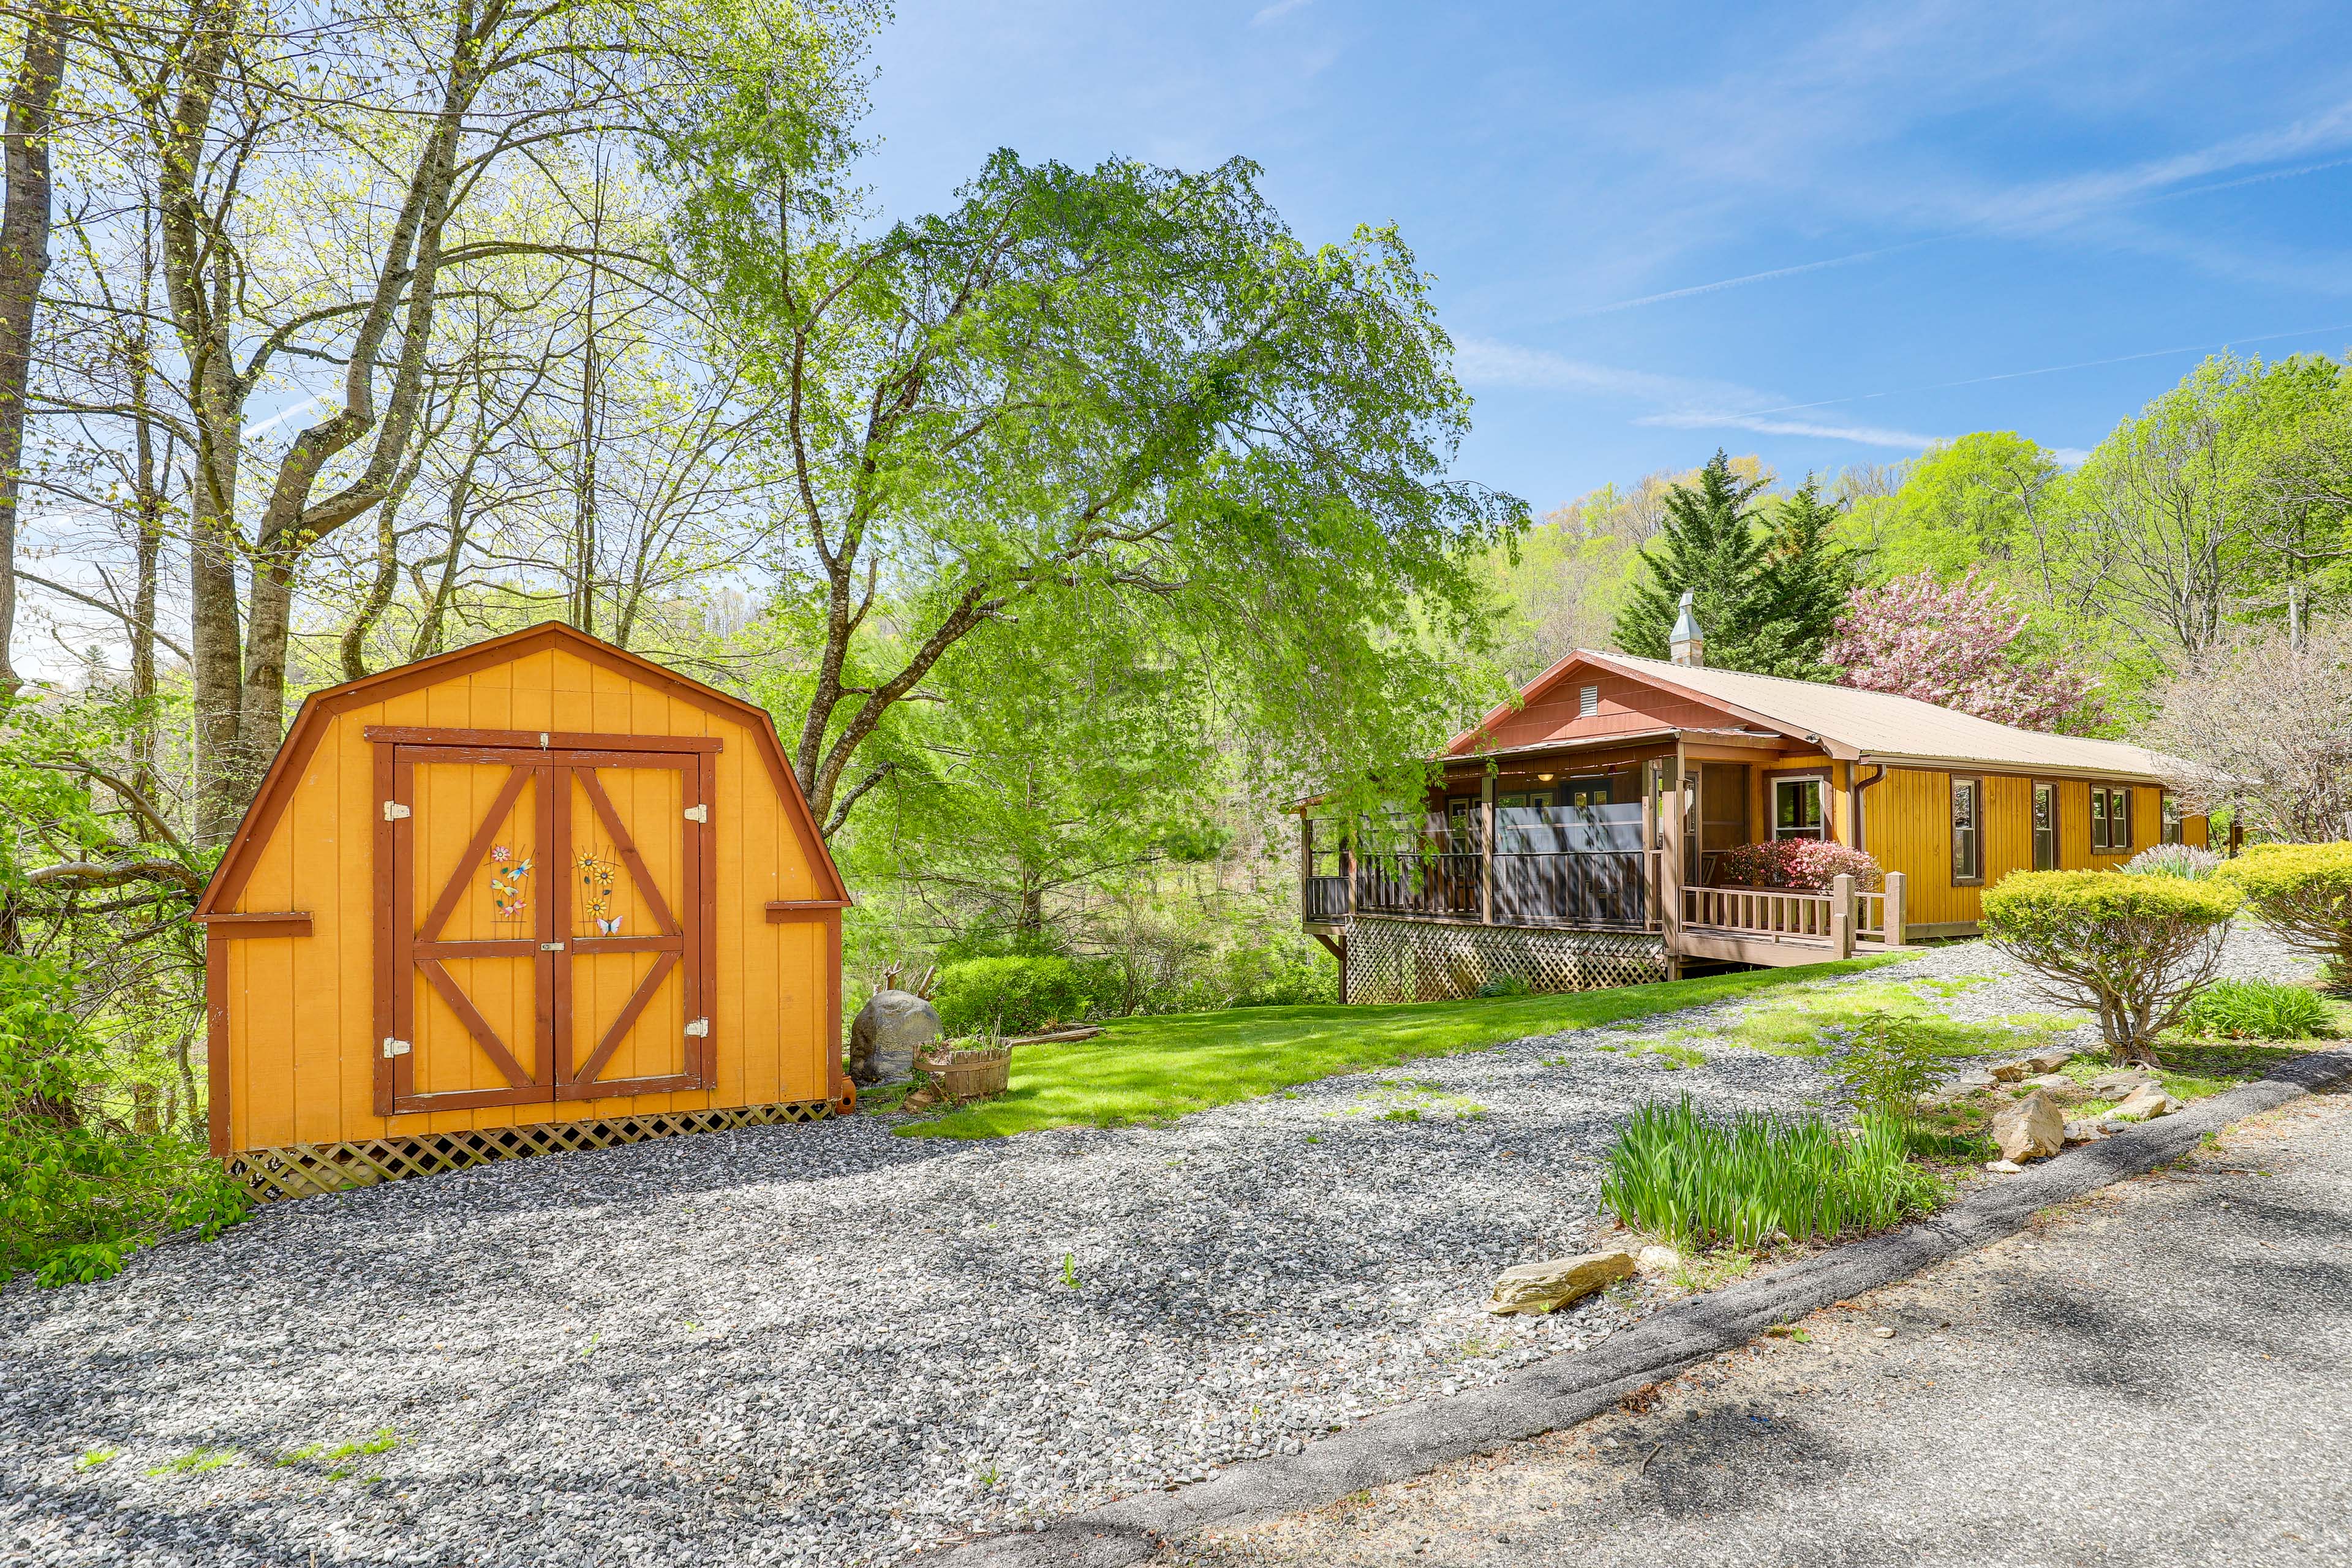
[(1566, 1389)]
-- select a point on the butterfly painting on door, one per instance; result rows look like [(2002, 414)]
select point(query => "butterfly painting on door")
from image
[(510, 886)]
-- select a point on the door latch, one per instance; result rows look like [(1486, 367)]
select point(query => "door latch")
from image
[(698, 1028), (551, 947), (392, 1047), (697, 814), (393, 811)]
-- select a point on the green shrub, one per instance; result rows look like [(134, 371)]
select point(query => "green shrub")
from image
[(2132, 949), (79, 1192), (2302, 893), (1505, 985), (2256, 1010), (2173, 860), (1695, 1180), (1017, 996), (1881, 1062)]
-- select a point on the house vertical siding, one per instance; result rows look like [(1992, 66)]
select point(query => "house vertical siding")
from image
[(1907, 827)]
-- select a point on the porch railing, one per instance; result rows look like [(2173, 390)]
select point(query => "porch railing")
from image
[(1324, 899), (1837, 917), (1433, 884)]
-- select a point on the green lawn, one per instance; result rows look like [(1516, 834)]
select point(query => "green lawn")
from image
[(1146, 1069)]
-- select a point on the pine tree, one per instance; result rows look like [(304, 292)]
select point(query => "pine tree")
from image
[(1801, 590), (1711, 547)]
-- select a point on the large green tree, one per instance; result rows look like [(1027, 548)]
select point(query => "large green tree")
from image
[(1126, 382), (1805, 578), (1711, 547)]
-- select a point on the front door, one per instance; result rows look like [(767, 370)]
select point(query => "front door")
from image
[(542, 933)]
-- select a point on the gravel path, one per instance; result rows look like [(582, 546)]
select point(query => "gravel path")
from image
[(2151, 1378), (827, 1344)]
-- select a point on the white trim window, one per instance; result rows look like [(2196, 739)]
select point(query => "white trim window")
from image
[(1800, 808)]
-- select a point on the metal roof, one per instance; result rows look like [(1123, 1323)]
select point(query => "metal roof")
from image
[(1877, 725)]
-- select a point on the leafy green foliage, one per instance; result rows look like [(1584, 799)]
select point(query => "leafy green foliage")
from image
[(2173, 860), (2257, 1010), (79, 1194), (1695, 1180), (1882, 1062), (2134, 950), (2302, 893), (1017, 994)]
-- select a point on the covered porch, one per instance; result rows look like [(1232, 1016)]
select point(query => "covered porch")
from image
[(1623, 838)]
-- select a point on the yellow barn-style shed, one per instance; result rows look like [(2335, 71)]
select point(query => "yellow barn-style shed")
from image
[(538, 894)]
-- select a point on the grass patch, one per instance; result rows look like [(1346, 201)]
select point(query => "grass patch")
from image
[(1154, 1069), (2258, 1010), (195, 1461), (341, 1460), (1698, 1182), (1793, 1028)]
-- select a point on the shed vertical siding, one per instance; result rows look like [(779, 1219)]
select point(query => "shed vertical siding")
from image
[(300, 1021)]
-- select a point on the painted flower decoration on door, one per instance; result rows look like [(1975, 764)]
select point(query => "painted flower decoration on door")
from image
[(598, 878), (510, 886)]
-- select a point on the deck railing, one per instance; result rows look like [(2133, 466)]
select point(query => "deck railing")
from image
[(1837, 917), (1324, 899)]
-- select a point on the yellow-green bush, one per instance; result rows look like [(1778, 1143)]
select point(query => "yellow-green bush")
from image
[(2134, 950), (2303, 893)]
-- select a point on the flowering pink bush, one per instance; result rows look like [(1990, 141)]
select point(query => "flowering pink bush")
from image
[(1955, 645), (1808, 865)]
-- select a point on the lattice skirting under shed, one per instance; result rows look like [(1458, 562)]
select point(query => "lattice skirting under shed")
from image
[(300, 1170), (1423, 960)]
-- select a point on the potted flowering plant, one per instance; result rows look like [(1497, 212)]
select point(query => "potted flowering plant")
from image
[(1801, 865)]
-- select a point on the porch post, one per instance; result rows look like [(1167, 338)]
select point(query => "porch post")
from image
[(1650, 855), (1842, 914), (1895, 884), (1487, 845), (1306, 862), (1670, 872)]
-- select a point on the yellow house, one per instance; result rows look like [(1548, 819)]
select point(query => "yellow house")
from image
[(1582, 836)]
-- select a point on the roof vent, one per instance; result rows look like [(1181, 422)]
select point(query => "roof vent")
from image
[(1587, 702), (1689, 644)]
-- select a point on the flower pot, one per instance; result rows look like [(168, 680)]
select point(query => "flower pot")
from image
[(958, 1077)]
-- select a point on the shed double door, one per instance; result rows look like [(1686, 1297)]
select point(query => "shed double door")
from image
[(543, 931)]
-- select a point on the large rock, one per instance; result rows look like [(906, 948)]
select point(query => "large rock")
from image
[(886, 1034), (2029, 1129), (2145, 1103), (2121, 1084), (1548, 1287), (2049, 1060)]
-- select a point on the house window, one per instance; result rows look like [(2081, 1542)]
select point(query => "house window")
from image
[(2045, 826), (1797, 808), (1968, 830), (2111, 823), (1588, 702), (2172, 818)]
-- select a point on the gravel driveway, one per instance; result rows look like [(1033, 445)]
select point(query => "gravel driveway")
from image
[(2151, 1378), (826, 1345)]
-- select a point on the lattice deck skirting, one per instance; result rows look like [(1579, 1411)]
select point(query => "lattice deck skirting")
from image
[(1423, 960), (300, 1170)]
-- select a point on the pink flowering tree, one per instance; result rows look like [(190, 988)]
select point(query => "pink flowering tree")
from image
[(1957, 645)]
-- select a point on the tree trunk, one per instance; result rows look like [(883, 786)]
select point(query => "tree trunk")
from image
[(23, 263)]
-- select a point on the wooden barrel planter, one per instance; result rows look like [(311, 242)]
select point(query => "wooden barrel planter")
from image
[(958, 1077)]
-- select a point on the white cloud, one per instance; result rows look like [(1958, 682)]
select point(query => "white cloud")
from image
[(1482, 362), (1279, 9), (1864, 434)]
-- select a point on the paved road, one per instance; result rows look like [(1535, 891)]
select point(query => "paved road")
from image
[(2159, 1375)]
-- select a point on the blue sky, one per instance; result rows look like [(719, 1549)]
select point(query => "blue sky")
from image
[(1822, 232)]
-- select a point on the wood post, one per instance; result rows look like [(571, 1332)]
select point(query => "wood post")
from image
[(1650, 855), (1305, 863), (1670, 873), (1347, 868), (1895, 883), (1487, 844), (1842, 914)]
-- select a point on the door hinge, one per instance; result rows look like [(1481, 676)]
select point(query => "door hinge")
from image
[(542, 740), (392, 1047), (697, 814), (698, 1028), (393, 811)]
